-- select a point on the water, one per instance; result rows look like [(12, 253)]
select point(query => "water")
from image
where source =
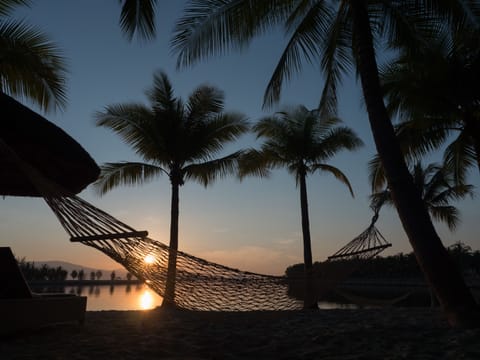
[(117, 297), (136, 297)]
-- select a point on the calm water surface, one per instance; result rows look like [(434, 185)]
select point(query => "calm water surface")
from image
[(114, 297), (134, 297)]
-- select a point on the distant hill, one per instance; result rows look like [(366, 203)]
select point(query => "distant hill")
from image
[(120, 272)]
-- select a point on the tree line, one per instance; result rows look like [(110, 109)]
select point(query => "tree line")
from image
[(402, 266), (31, 272)]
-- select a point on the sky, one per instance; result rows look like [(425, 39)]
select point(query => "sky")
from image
[(252, 225)]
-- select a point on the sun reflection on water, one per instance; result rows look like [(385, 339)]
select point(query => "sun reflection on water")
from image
[(146, 300)]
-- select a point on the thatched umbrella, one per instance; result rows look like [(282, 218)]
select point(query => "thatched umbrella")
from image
[(28, 138)]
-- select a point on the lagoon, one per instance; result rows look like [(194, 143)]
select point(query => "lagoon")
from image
[(136, 296), (112, 297)]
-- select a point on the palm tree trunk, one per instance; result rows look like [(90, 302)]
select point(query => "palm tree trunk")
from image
[(169, 296), (309, 299), (435, 262)]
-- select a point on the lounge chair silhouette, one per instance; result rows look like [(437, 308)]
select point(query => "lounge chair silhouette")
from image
[(21, 309)]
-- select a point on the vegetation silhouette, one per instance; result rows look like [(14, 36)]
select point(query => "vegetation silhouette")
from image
[(32, 66), (137, 19), (384, 277), (342, 36), (174, 138), (436, 185), (436, 95)]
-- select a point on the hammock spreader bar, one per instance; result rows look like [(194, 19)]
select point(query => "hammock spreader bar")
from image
[(124, 235)]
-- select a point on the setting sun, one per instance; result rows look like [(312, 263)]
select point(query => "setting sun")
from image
[(149, 259)]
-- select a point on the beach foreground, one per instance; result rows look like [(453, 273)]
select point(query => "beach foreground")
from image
[(388, 333)]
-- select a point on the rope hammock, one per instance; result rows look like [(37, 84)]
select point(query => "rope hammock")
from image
[(200, 284)]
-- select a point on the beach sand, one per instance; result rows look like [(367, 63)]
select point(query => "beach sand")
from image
[(388, 333)]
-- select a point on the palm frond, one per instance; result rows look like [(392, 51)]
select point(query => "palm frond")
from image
[(211, 27), (308, 29), (405, 22), (161, 94), (8, 6), (335, 140), (137, 17), (207, 138), (32, 66), (272, 126), (113, 175), (446, 214), (336, 60), (259, 163), (337, 173), (205, 101), (420, 137), (207, 172), (460, 156), (136, 125)]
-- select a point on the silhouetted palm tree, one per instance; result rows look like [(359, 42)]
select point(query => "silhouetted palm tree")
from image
[(437, 95), (340, 35), (301, 141), (437, 187), (74, 274), (81, 275), (98, 274), (31, 66), (177, 139)]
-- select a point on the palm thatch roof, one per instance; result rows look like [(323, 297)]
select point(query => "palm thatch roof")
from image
[(32, 139)]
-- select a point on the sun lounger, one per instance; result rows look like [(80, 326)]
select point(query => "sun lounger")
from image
[(21, 309)]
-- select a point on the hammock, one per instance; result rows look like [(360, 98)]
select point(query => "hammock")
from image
[(200, 284)]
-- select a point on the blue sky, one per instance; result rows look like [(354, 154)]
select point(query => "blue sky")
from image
[(254, 224)]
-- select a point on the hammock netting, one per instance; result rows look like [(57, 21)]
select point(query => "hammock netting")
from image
[(200, 284)]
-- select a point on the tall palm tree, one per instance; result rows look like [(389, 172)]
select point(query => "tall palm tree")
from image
[(31, 66), (437, 187), (301, 141), (174, 138), (340, 35), (437, 96)]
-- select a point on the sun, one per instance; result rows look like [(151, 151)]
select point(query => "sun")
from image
[(149, 259)]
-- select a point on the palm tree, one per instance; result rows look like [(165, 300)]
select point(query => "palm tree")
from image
[(340, 35), (98, 274), (31, 66), (437, 187), (176, 139), (301, 141), (81, 275), (74, 274), (437, 96)]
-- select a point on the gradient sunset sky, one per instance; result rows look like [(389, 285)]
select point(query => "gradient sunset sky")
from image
[(252, 225)]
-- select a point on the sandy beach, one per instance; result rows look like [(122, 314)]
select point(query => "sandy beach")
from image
[(388, 333)]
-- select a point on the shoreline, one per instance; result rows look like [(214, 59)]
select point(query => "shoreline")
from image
[(384, 333), (53, 283)]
